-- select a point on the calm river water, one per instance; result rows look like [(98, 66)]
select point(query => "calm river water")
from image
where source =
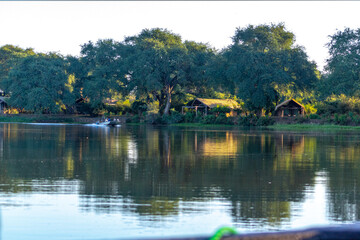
[(88, 182)]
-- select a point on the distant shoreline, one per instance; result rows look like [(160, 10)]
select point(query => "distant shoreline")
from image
[(41, 118), (86, 119)]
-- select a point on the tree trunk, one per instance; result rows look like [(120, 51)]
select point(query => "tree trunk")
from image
[(168, 100), (259, 112)]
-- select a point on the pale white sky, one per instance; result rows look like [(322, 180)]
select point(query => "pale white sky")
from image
[(64, 26)]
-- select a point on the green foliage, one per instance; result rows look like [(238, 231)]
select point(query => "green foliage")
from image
[(114, 109), (265, 121), (157, 119), (310, 108), (301, 119), (98, 72), (175, 117), (198, 119), (209, 119), (159, 64), (139, 107), (314, 116), (341, 119), (133, 119), (247, 121), (261, 61), (39, 84), (84, 108), (253, 120), (339, 104), (222, 119), (343, 68), (220, 109), (189, 117), (10, 56)]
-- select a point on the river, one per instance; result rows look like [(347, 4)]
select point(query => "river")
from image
[(90, 182)]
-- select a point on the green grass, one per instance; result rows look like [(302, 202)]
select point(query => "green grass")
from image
[(37, 119), (201, 125), (16, 119), (327, 127)]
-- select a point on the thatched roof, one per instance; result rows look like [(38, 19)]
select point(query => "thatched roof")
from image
[(212, 103), (287, 102)]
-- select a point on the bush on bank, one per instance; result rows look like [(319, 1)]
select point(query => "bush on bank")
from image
[(189, 117)]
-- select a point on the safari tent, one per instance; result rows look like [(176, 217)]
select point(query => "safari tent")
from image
[(204, 105), (289, 108)]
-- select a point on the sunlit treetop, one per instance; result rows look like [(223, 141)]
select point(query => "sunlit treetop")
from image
[(264, 37)]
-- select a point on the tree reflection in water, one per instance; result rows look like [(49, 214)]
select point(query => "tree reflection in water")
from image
[(155, 172)]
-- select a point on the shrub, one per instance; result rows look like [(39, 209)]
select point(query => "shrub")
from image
[(151, 118), (133, 119), (265, 121), (220, 109), (209, 119), (197, 119), (249, 120), (175, 117), (114, 109), (124, 105), (139, 107), (301, 119), (340, 104), (341, 119), (222, 119), (189, 117), (314, 116)]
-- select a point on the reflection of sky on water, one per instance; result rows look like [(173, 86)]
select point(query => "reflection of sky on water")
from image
[(74, 182), (70, 219), (131, 160), (314, 207)]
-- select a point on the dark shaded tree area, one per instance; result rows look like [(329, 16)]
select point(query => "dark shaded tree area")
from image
[(262, 67)]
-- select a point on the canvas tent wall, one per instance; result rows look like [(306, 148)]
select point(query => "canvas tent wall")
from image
[(289, 108)]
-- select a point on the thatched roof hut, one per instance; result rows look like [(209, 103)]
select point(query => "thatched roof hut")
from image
[(289, 108), (205, 104)]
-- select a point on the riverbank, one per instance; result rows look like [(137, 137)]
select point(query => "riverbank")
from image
[(309, 126), (280, 124), (41, 118)]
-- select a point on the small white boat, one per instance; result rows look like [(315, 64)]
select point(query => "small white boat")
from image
[(111, 123)]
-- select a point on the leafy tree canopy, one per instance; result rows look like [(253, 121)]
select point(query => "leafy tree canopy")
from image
[(38, 84), (98, 71), (158, 61), (9, 56), (264, 38), (262, 62), (343, 66)]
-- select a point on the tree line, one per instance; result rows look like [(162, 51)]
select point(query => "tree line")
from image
[(158, 71)]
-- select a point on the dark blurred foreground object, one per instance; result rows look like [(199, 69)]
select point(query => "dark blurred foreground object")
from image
[(341, 232)]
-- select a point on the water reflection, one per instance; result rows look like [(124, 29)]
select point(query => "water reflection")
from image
[(264, 178)]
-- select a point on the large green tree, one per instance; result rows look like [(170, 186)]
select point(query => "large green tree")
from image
[(343, 66), (262, 62), (98, 71), (159, 63), (40, 84), (10, 56)]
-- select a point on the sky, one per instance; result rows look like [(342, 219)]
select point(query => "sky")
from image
[(63, 26)]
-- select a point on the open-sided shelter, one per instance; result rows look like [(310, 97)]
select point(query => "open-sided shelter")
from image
[(289, 108), (3, 104), (205, 104)]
